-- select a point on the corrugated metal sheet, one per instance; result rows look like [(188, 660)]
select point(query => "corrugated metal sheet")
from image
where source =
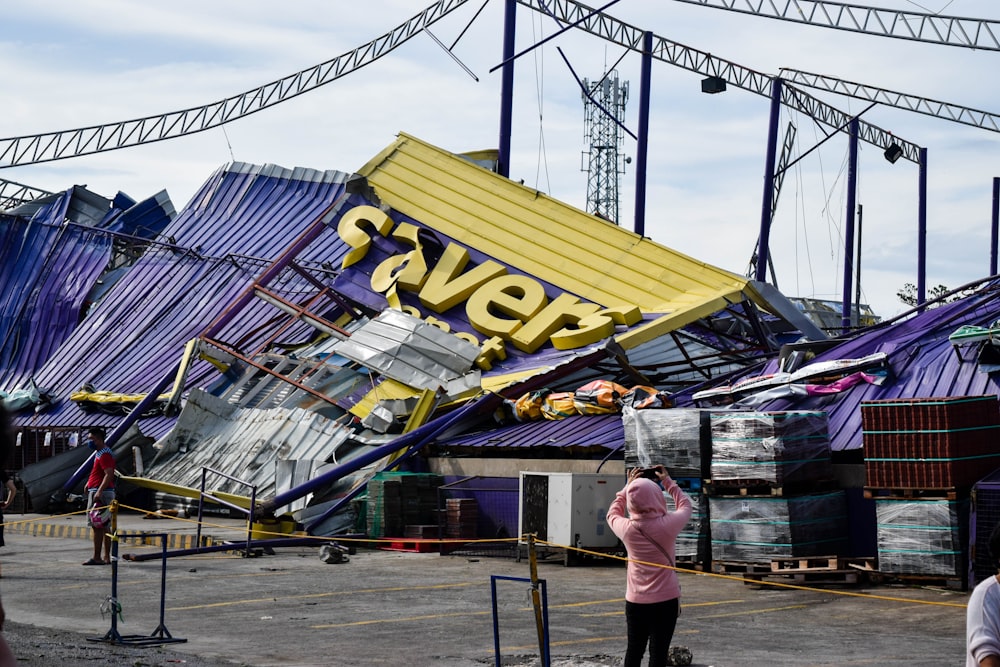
[(146, 219), (51, 262), (224, 241), (578, 252), (241, 219), (247, 444), (46, 271), (77, 204), (407, 349), (579, 432)]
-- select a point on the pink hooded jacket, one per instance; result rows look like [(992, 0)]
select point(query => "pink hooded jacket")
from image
[(647, 508)]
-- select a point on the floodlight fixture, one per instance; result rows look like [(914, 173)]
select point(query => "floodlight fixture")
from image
[(713, 85), (893, 152)]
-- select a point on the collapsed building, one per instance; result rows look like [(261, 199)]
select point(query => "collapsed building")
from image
[(291, 333)]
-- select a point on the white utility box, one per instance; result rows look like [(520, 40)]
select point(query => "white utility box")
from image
[(566, 508)]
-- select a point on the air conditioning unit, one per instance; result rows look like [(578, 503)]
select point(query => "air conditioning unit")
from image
[(568, 509)]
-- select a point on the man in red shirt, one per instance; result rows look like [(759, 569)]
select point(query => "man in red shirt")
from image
[(100, 494)]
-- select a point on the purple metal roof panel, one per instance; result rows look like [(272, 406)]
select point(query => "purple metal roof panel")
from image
[(579, 431), (923, 363), (50, 268), (254, 210), (145, 219), (136, 334)]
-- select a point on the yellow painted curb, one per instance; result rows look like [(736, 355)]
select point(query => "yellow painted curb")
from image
[(69, 531)]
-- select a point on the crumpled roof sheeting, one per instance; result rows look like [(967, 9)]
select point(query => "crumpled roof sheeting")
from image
[(254, 210), (145, 219), (77, 204), (409, 350), (216, 435), (46, 271), (330, 376), (136, 334), (922, 360)]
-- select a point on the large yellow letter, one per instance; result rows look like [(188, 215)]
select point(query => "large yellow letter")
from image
[(351, 230), (518, 296), (407, 270), (445, 288), (564, 310), (593, 328), (491, 350)]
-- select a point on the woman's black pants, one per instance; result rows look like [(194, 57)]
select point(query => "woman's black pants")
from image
[(653, 624)]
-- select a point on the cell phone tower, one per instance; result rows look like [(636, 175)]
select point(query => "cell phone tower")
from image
[(604, 115)]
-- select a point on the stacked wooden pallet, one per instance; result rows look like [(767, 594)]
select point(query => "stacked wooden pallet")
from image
[(814, 571)]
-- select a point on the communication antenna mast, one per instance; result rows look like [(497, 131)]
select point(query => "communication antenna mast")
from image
[(604, 114)]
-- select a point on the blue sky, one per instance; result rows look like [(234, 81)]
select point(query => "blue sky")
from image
[(65, 65)]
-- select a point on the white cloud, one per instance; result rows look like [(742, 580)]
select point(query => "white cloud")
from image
[(65, 65)]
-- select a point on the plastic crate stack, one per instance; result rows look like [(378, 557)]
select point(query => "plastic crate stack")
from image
[(922, 458), (398, 500), (771, 493), (677, 438), (384, 507)]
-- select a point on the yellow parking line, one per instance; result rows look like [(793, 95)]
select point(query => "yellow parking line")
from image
[(684, 605), (308, 596), (688, 605), (404, 619), (585, 604), (756, 611)]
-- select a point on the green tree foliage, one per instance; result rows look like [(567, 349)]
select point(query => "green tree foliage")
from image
[(908, 294)]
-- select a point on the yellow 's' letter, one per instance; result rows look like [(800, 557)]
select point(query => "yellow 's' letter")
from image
[(351, 230)]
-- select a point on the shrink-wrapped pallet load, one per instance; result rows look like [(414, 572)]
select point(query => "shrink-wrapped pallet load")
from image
[(774, 448)]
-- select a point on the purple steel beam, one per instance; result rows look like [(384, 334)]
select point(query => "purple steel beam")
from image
[(507, 81), (922, 232), (336, 507), (506, 89), (995, 235), (641, 151), (852, 186), (416, 437), (763, 250), (412, 441)]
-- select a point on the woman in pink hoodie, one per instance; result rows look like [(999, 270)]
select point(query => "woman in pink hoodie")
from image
[(653, 590)]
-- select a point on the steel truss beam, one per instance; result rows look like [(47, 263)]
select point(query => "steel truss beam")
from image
[(14, 194), (953, 112), (915, 26), (32, 149), (693, 60)]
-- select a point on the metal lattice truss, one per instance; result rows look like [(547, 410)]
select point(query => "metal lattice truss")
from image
[(947, 30), (100, 138), (14, 194), (953, 112), (915, 26), (604, 151), (700, 62)]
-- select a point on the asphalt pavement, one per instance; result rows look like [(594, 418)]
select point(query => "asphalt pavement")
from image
[(393, 607)]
